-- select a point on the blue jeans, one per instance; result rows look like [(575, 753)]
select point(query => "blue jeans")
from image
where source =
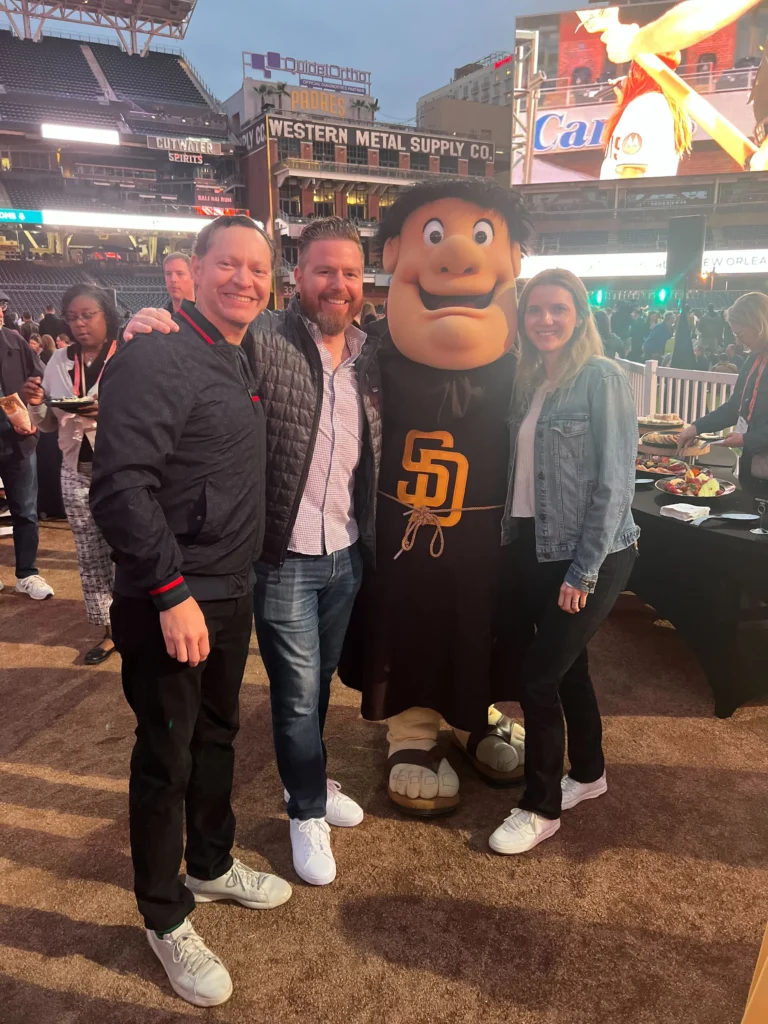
[(302, 612), (19, 476)]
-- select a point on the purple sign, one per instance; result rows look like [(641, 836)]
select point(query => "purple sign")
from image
[(329, 75)]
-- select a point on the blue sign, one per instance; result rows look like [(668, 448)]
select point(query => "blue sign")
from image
[(21, 216)]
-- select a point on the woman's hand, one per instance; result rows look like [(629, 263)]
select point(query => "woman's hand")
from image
[(89, 412), (733, 440), (23, 430), (572, 599)]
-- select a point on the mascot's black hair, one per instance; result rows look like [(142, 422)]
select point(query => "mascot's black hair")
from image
[(484, 192)]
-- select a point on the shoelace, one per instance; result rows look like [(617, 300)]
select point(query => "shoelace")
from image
[(241, 874), (35, 579), (518, 819), (192, 951), (334, 789), (317, 833)]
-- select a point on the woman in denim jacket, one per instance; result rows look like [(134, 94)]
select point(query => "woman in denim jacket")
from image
[(568, 516)]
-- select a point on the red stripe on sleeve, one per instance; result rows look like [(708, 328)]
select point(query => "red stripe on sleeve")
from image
[(168, 586)]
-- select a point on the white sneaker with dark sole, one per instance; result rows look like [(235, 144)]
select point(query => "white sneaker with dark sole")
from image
[(253, 889), (340, 810), (312, 856), (521, 831), (194, 972), (35, 587), (574, 792)]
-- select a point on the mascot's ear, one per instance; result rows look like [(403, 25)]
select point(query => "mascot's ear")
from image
[(517, 259), (390, 253)]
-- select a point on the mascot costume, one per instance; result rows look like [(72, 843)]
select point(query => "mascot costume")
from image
[(432, 635)]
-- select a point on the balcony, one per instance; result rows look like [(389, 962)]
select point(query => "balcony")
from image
[(292, 226), (344, 172)]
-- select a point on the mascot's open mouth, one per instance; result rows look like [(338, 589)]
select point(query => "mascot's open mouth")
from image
[(432, 301)]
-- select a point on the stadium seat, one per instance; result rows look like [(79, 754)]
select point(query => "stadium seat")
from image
[(157, 77), (25, 113), (52, 66)]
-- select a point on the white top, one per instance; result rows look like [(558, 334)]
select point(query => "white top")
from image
[(524, 492), (57, 383), (644, 137)]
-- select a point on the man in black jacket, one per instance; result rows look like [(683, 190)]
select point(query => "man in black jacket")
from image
[(52, 324), (18, 464), (178, 492)]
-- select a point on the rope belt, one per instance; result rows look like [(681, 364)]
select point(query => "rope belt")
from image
[(420, 515)]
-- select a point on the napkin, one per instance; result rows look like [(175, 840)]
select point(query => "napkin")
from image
[(685, 513)]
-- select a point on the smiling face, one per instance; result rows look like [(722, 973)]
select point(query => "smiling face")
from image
[(550, 318), (329, 279), (452, 299), (233, 278)]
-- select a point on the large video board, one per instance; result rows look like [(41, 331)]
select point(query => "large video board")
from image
[(609, 109)]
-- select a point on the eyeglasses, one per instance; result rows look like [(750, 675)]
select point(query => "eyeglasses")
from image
[(85, 317)]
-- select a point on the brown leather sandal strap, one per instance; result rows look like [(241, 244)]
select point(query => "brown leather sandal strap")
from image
[(502, 730), (422, 758)]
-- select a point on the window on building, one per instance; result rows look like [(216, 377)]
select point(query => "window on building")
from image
[(290, 250), (287, 148), (325, 151), (33, 161), (449, 165), (357, 154), (385, 200), (419, 161), (290, 200), (325, 202), (389, 158), (477, 168), (357, 203)]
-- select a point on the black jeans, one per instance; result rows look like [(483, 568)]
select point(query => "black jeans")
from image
[(187, 719), (555, 677), (19, 476), (302, 612)]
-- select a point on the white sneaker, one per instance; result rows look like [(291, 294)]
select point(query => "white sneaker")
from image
[(312, 857), (521, 831), (2, 585), (574, 792), (254, 889), (35, 586), (340, 810), (193, 971)]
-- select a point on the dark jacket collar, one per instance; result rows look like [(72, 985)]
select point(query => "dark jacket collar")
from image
[(190, 315)]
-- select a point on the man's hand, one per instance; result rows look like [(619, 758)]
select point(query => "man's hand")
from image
[(147, 320), (618, 42), (185, 632), (572, 599), (733, 440), (23, 431), (32, 392), (685, 437)]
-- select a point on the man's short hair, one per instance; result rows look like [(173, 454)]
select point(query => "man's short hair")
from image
[(323, 229), (50, 308), (239, 220), (483, 192), (26, 316), (176, 256)]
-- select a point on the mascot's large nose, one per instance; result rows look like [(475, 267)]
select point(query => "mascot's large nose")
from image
[(456, 255)]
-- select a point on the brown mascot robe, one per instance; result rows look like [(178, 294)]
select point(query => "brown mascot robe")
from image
[(437, 632)]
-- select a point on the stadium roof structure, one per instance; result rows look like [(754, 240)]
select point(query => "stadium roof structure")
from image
[(136, 22)]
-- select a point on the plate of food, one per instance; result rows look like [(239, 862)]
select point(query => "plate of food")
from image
[(668, 441), (659, 465), (72, 404), (661, 419), (695, 483)]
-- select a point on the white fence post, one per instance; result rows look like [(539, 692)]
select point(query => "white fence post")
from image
[(650, 387)]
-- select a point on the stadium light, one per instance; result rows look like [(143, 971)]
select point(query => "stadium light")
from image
[(662, 294), (599, 296), (100, 220), (74, 133)]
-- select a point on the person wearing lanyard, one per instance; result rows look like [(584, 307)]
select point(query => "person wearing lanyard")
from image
[(75, 373), (746, 411)]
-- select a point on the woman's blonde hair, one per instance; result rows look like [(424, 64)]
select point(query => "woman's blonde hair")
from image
[(751, 310), (585, 341), (48, 344)]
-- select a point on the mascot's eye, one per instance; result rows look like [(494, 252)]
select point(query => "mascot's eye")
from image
[(482, 232), (434, 232)]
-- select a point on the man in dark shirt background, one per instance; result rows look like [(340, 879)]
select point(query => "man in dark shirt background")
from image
[(656, 342), (52, 324)]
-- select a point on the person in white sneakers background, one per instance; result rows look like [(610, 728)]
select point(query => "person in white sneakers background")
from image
[(568, 517)]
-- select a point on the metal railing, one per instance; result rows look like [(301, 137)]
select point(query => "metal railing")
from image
[(356, 170), (687, 393)]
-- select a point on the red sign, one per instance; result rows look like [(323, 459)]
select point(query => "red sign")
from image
[(505, 60), (212, 197)]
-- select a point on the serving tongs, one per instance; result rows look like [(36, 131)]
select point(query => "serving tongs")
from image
[(739, 517)]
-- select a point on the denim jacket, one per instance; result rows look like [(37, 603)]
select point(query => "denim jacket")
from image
[(584, 466)]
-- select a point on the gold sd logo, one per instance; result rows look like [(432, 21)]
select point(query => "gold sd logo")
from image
[(430, 466)]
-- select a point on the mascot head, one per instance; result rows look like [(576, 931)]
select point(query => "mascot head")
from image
[(453, 250)]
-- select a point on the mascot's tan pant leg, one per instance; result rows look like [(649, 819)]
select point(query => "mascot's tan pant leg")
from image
[(420, 782), (497, 752)]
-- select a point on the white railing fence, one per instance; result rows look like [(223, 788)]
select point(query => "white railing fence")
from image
[(688, 393)]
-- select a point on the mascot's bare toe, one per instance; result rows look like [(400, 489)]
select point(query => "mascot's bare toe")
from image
[(421, 784), (497, 753)]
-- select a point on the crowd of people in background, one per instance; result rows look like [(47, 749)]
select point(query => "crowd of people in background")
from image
[(638, 333)]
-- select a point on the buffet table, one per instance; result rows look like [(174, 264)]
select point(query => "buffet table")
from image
[(711, 582)]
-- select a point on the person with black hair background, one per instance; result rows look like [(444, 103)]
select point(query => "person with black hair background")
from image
[(75, 372)]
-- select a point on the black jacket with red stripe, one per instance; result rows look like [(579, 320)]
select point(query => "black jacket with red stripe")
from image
[(178, 469)]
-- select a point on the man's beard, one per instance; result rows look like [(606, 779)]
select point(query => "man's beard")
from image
[(332, 324)]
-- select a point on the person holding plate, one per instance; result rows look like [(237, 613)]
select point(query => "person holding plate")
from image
[(68, 399), (746, 411)]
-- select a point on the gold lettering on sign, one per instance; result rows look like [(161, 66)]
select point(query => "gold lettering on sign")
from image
[(432, 474)]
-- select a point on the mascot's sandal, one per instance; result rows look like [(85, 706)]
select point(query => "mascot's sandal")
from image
[(496, 752), (429, 778)]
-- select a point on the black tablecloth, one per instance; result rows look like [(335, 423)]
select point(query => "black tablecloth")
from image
[(711, 583)]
